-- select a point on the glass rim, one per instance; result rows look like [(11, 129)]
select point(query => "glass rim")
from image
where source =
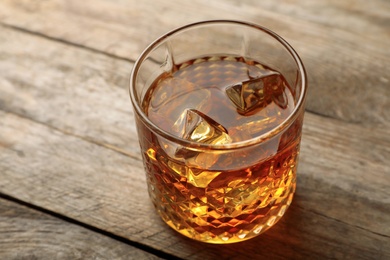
[(231, 146)]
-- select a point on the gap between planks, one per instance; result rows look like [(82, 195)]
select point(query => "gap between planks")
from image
[(343, 222), (138, 158), (95, 229), (86, 139), (58, 40), (113, 147), (320, 51), (94, 50), (161, 235)]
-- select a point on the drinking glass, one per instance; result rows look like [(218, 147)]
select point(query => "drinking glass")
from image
[(219, 107)]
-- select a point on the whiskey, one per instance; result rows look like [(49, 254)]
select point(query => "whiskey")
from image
[(213, 194)]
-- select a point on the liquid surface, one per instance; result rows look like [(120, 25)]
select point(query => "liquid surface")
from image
[(246, 99), (220, 197)]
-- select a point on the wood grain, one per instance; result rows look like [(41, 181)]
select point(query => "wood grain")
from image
[(343, 44), (78, 91), (68, 141), (84, 100), (356, 16), (106, 189), (29, 234), (68, 144)]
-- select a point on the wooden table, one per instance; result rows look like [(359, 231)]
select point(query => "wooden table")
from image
[(72, 185)]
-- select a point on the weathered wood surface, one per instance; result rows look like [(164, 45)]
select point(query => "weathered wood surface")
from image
[(68, 142), (343, 43), (106, 189), (59, 151), (30, 234)]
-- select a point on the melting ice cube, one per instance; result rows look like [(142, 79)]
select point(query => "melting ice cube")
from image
[(169, 90), (172, 97), (255, 94), (198, 127)]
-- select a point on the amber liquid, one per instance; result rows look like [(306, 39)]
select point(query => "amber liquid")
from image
[(220, 197)]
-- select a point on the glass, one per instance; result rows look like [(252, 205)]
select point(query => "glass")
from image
[(219, 107)]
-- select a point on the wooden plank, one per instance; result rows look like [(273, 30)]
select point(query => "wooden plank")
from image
[(124, 28), (340, 42), (70, 81), (87, 179), (106, 189), (89, 100), (358, 16), (29, 234), (79, 92), (78, 75), (354, 162)]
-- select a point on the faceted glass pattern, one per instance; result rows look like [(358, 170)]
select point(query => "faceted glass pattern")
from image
[(220, 197), (221, 206)]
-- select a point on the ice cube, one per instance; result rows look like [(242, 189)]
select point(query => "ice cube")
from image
[(275, 88), (254, 94), (201, 179), (198, 127), (279, 97), (170, 89), (172, 97), (255, 127)]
